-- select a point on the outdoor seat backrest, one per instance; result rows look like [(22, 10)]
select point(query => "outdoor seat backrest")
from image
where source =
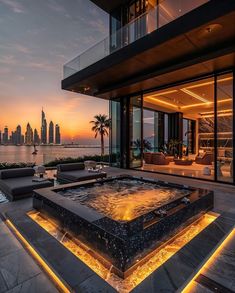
[(70, 167), (15, 173)]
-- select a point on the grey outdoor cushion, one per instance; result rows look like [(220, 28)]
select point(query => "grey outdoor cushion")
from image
[(15, 173), (70, 167), (22, 186), (79, 175)]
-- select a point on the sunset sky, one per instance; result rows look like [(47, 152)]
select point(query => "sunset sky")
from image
[(36, 38)]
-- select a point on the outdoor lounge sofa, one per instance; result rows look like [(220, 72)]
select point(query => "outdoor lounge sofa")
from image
[(19, 183), (75, 172), (204, 159)]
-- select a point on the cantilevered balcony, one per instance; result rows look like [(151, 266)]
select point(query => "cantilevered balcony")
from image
[(154, 19), (172, 42)]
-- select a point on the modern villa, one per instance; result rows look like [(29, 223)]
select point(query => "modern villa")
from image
[(160, 216), (167, 69)]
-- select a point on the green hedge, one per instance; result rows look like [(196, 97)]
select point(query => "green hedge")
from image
[(68, 160), (5, 165), (54, 163)]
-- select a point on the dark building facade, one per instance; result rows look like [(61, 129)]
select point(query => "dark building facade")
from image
[(36, 138), (57, 134), (167, 68), (51, 133), (43, 128), (5, 136)]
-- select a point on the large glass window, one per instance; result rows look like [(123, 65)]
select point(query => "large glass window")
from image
[(136, 146), (183, 129), (149, 135), (224, 119), (115, 134), (188, 136)]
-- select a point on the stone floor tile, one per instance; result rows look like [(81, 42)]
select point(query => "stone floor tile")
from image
[(3, 285), (17, 267), (8, 243), (38, 284)]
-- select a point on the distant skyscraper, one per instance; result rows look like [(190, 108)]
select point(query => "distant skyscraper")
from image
[(36, 139), (29, 135), (13, 138), (57, 134), (43, 128), (5, 136), (51, 132), (18, 135)]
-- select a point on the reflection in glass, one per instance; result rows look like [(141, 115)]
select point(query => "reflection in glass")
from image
[(135, 132), (115, 138), (225, 128)]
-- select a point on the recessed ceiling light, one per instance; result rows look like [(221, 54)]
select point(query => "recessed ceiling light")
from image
[(210, 29), (196, 96)]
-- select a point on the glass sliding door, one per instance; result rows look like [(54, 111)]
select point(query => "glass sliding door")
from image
[(224, 120), (115, 133), (188, 137), (135, 132), (149, 135)]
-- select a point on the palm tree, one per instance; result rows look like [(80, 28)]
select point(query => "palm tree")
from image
[(100, 126), (146, 144)]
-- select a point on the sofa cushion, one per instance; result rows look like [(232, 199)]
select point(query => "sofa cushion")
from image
[(15, 173), (70, 167), (79, 175), (22, 185)]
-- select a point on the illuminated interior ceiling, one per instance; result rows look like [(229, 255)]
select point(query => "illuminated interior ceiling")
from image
[(194, 98)]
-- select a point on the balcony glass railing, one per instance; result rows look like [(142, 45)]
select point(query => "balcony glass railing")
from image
[(165, 12)]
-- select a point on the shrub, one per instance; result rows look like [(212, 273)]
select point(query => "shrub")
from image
[(6, 165), (69, 160)]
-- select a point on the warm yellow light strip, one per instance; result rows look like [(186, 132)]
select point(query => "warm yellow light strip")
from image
[(158, 257), (38, 258), (218, 112), (163, 102), (208, 83), (209, 262), (192, 94), (165, 93), (205, 104), (220, 115)]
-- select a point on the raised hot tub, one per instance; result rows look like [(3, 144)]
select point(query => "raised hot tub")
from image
[(125, 218)]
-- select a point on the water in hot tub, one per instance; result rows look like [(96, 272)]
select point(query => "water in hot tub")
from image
[(124, 200)]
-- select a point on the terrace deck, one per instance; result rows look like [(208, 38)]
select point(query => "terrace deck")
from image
[(221, 273)]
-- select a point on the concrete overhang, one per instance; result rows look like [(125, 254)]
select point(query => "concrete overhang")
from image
[(109, 5), (195, 44)]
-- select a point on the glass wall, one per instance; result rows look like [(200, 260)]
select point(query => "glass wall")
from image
[(182, 129), (224, 121), (149, 136), (191, 124), (135, 132), (154, 130), (189, 132), (115, 133)]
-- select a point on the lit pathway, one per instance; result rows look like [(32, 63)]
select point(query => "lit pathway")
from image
[(18, 271)]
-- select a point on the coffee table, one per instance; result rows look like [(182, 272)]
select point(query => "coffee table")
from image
[(183, 162)]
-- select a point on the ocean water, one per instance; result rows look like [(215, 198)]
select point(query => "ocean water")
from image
[(16, 154)]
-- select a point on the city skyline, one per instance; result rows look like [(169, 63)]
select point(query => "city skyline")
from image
[(30, 136), (32, 55)]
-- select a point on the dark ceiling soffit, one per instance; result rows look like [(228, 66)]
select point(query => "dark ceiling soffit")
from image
[(109, 5), (170, 67), (202, 15)]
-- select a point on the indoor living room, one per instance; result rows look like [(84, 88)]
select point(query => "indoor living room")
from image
[(181, 133)]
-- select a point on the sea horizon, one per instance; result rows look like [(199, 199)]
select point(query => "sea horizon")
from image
[(45, 154)]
